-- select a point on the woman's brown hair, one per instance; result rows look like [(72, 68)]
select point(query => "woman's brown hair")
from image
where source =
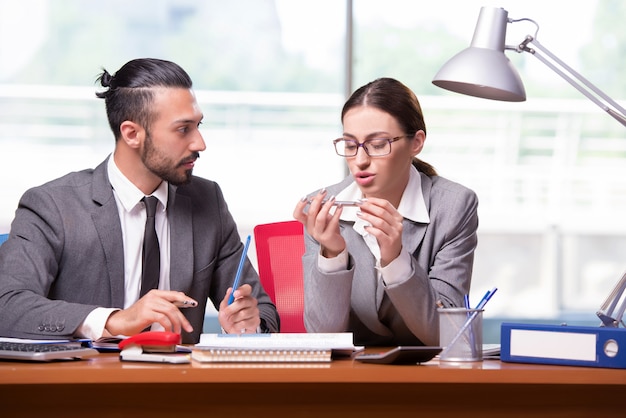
[(393, 97)]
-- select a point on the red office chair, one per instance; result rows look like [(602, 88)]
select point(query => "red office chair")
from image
[(279, 249)]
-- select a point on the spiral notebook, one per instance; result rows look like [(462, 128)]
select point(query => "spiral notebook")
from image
[(233, 355), (273, 348)]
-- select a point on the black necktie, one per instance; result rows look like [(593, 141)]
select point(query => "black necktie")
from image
[(151, 262)]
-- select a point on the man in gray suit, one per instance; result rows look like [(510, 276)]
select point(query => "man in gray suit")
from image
[(72, 266)]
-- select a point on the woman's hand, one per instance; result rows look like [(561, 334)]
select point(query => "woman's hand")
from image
[(386, 226), (321, 224)]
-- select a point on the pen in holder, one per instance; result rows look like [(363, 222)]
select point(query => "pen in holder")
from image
[(461, 334), (472, 342)]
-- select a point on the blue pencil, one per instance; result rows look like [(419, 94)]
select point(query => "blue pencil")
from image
[(239, 270)]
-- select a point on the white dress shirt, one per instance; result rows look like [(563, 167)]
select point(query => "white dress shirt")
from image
[(412, 206), (132, 215)]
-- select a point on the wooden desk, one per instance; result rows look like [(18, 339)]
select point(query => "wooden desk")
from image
[(104, 386)]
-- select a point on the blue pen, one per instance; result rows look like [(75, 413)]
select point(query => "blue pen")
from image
[(486, 298), (239, 270), (466, 301)]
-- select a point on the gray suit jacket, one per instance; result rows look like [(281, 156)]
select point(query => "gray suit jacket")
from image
[(404, 313), (65, 255)]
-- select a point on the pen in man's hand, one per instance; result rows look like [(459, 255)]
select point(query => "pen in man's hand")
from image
[(186, 304), (231, 298)]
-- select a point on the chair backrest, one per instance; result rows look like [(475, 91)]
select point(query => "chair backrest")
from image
[(279, 249), (3, 237)]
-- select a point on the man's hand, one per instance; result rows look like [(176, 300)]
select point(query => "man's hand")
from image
[(241, 316), (160, 306)]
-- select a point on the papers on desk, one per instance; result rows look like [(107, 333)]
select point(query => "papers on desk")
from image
[(107, 344), (491, 351), (111, 344), (273, 348)]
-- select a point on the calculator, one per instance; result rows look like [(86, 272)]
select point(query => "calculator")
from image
[(401, 355)]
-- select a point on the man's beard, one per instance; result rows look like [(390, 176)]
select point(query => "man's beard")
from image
[(164, 167)]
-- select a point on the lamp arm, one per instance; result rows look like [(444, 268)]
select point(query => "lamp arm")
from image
[(606, 310), (610, 314), (619, 114)]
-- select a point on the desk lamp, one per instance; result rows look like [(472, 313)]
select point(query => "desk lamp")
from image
[(483, 70)]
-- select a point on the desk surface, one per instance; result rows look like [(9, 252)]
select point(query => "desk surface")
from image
[(107, 368), (341, 388)]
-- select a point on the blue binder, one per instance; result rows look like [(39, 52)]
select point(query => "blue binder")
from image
[(563, 345)]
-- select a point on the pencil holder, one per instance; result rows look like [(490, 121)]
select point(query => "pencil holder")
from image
[(461, 334)]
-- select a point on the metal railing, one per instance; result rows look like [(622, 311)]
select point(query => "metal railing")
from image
[(550, 174)]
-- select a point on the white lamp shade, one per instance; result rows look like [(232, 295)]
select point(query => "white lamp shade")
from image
[(482, 70)]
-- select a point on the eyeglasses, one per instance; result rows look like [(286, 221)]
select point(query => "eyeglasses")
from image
[(375, 147)]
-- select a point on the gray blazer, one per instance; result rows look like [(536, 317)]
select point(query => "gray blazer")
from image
[(403, 313), (65, 255)]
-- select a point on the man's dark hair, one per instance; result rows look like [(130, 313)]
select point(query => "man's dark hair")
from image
[(130, 93)]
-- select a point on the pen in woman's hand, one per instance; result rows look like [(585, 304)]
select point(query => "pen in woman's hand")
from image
[(339, 202)]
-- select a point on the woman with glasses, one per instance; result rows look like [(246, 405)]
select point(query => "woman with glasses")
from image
[(391, 241)]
